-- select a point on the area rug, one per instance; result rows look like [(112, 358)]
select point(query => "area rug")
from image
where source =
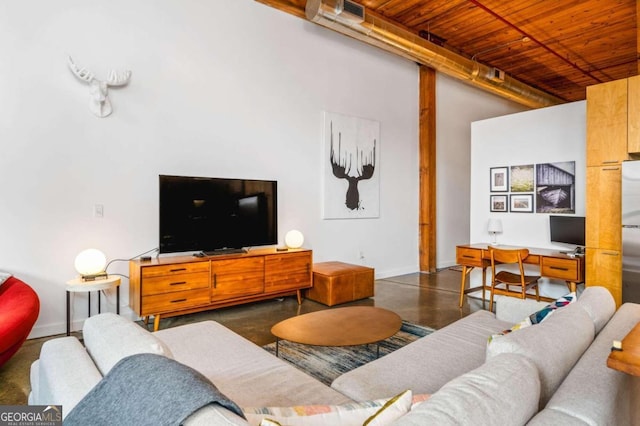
[(325, 363)]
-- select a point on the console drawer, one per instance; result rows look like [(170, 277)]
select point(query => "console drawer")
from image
[(175, 269), (173, 283), (563, 269), (176, 301)]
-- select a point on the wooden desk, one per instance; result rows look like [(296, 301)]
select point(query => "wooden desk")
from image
[(628, 359), (553, 264)]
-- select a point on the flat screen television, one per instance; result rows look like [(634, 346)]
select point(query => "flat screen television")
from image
[(216, 214), (567, 230)]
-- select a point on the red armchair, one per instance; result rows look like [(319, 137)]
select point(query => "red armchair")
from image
[(19, 309)]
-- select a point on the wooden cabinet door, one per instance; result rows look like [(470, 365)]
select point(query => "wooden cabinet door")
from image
[(604, 268), (604, 204), (607, 123), (290, 271), (234, 278), (633, 114)]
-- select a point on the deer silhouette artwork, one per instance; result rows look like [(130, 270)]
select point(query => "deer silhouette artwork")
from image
[(100, 104), (365, 166)]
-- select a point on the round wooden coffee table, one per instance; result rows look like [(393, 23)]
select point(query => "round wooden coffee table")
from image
[(352, 326)]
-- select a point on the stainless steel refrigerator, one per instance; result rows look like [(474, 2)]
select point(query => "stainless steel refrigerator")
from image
[(631, 231)]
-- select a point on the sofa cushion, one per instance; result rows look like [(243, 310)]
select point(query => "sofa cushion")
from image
[(425, 365), (554, 346), (599, 304), (109, 338), (549, 417), (591, 380), (504, 391), (242, 370)]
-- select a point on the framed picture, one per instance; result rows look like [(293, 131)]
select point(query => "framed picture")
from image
[(522, 178), (499, 179), (522, 203), (499, 203), (351, 175), (556, 187)]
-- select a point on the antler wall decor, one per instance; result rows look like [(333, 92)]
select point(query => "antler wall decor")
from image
[(100, 104), (365, 166)]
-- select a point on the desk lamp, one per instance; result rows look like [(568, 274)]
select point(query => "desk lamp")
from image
[(494, 227)]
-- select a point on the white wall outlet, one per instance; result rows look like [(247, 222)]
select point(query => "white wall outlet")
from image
[(98, 210)]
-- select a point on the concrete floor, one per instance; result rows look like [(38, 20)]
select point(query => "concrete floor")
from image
[(425, 299)]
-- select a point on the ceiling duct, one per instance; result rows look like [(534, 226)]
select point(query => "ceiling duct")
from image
[(381, 33)]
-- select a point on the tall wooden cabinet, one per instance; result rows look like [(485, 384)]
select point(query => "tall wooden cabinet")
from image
[(612, 135), (170, 286)]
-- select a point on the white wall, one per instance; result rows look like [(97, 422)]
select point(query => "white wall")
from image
[(546, 135), (219, 88), (457, 106)]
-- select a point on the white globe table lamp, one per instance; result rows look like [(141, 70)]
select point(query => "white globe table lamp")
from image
[(90, 264), (294, 239)]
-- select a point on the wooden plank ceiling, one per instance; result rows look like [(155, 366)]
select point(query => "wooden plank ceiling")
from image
[(558, 46)]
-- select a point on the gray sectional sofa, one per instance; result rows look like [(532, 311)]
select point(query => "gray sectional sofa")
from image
[(553, 373)]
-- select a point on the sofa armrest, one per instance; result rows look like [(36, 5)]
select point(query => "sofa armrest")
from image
[(66, 373), (513, 310)]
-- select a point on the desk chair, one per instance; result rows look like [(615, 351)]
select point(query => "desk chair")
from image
[(501, 281)]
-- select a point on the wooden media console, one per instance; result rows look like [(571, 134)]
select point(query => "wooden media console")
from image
[(170, 286)]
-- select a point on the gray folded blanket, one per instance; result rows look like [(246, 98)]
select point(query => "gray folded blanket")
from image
[(147, 389)]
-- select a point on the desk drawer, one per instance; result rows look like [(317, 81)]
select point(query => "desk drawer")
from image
[(469, 256), (563, 269)]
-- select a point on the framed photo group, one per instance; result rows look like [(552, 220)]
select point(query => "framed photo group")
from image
[(543, 188)]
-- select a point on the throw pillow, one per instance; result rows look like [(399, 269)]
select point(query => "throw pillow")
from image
[(539, 316), (395, 408), (355, 413)]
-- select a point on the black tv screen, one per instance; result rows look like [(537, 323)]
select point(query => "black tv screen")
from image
[(209, 214), (567, 229)]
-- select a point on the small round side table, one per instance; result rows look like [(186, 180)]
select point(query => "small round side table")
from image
[(77, 285)]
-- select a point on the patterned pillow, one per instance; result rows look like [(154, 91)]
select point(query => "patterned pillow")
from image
[(539, 316), (395, 408), (377, 412)]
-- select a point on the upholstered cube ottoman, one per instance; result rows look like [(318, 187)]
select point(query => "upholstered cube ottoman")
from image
[(337, 282)]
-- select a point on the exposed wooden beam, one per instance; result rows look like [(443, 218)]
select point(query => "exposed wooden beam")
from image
[(290, 6), (427, 154)]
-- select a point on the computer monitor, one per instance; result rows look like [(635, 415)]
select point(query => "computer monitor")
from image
[(567, 230)]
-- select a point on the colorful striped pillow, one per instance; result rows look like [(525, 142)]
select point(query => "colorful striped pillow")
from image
[(377, 412), (539, 316)]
